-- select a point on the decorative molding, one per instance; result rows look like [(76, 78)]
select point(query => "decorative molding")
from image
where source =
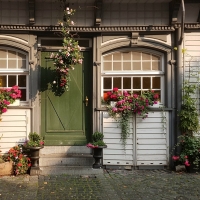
[(31, 5), (105, 29), (134, 38), (98, 12), (89, 29)]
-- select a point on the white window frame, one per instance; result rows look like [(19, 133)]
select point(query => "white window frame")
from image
[(25, 71), (136, 73)]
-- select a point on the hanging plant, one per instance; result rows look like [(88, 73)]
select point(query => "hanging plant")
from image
[(127, 104), (67, 57)]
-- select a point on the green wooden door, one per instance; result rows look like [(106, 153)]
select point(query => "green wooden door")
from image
[(65, 119)]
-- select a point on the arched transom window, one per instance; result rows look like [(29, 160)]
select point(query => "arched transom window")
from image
[(14, 70), (133, 71)]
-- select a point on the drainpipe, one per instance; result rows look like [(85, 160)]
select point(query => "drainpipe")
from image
[(179, 67)]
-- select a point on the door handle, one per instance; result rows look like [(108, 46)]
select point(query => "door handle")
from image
[(86, 101)]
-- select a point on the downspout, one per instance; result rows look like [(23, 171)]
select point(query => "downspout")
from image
[(179, 67)]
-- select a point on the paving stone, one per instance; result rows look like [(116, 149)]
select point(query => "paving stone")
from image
[(111, 185)]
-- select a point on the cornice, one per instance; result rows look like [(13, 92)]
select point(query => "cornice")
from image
[(88, 29), (100, 28)]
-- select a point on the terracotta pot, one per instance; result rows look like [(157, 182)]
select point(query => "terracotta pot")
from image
[(6, 168)]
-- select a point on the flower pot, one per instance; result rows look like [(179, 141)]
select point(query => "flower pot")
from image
[(15, 103), (156, 105), (6, 168), (34, 155), (97, 155)]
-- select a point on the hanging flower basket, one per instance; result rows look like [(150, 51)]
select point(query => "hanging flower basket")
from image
[(67, 57)]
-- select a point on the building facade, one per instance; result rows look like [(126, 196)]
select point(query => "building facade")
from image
[(129, 44)]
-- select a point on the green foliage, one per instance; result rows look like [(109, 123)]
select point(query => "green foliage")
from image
[(189, 124), (97, 136), (190, 150), (35, 140), (188, 114), (97, 140), (67, 57), (21, 162)]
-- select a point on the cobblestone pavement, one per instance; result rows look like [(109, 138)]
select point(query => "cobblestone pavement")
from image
[(111, 185)]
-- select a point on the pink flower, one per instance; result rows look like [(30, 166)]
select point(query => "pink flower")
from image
[(89, 145), (187, 163), (4, 110), (115, 89), (175, 158)]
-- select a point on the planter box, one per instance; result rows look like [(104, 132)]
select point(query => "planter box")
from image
[(6, 168), (15, 103)]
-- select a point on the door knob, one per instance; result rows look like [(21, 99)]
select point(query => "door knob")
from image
[(86, 101)]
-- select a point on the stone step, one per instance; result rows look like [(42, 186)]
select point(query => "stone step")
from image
[(63, 159), (65, 149), (75, 170)]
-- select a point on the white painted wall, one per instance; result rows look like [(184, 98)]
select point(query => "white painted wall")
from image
[(147, 144), (14, 128)]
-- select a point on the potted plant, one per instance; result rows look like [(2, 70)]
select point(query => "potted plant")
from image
[(33, 145), (21, 162), (97, 145), (8, 96)]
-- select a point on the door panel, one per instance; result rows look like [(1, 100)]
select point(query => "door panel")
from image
[(63, 117)]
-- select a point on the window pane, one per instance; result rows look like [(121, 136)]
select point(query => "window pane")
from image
[(127, 83), (146, 83), (155, 58), (136, 83), (3, 54), (11, 54), (146, 56), (12, 81), (3, 80), (136, 56), (23, 93), (3, 64), (117, 66), (107, 58), (155, 65), (127, 66), (117, 82), (22, 64), (107, 83), (136, 65), (156, 83), (117, 56), (12, 64), (21, 56), (126, 56), (146, 65), (107, 66), (22, 80)]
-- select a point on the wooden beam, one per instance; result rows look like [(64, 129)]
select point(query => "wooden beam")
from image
[(31, 5), (174, 8), (98, 12)]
